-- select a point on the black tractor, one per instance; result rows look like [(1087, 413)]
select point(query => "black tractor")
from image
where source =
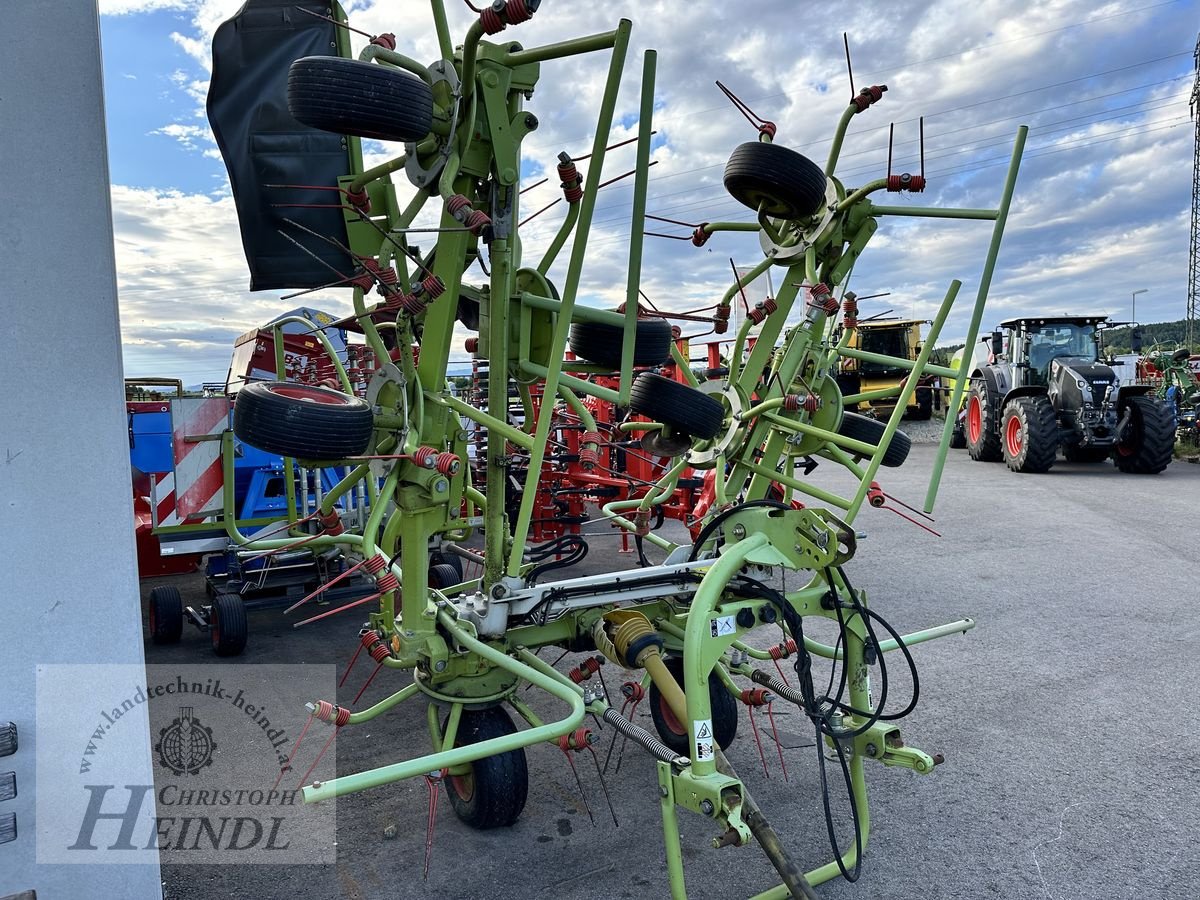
[(1045, 386)]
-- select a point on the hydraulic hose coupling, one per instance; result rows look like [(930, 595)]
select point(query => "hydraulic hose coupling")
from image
[(459, 207), (579, 739), (721, 319), (589, 449), (807, 402), (762, 310), (327, 712), (875, 495), (821, 300), (331, 523), (906, 182), (571, 180), (701, 235), (869, 95), (502, 13)]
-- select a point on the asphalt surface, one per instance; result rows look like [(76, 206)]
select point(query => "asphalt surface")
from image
[(1067, 720)]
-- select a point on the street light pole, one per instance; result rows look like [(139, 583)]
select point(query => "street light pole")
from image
[(1133, 308)]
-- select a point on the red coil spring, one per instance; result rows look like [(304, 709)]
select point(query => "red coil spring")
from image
[(762, 310), (364, 281), (700, 236), (471, 345), (412, 304), (807, 402), (767, 128), (447, 463), (869, 95), (784, 650), (359, 199), (875, 495), (572, 186), (386, 39), (822, 298), (331, 524), (425, 457), (327, 712), (850, 312), (455, 204), (433, 287), (491, 21), (755, 696), (386, 582), (721, 320), (585, 670), (576, 740), (517, 12), (906, 182), (633, 691), (589, 456), (477, 220), (377, 649), (375, 564)]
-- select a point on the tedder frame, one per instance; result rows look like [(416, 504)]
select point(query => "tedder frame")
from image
[(468, 648)]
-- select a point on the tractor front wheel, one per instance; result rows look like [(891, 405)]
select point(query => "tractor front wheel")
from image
[(492, 792), (1030, 430), (983, 442), (1149, 442)]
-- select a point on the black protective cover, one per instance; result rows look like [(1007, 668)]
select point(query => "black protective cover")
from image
[(262, 144)]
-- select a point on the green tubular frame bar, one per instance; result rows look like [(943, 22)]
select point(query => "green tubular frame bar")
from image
[(460, 660)]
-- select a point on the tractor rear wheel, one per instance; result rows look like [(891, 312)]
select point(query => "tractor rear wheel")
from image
[(774, 180), (493, 792), (870, 431), (983, 440), (677, 405), (1030, 430), (1149, 443), (302, 420), (601, 343), (348, 96), (674, 733)]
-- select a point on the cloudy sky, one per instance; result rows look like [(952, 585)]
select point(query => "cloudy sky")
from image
[(1102, 206)]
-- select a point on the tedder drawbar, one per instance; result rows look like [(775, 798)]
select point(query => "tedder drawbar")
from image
[(312, 216)]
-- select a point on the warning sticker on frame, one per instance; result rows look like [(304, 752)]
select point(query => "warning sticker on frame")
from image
[(703, 731), (721, 626)]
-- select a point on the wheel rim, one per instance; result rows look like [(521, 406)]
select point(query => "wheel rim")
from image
[(1129, 448), (214, 626), (309, 394), (1014, 436), (974, 419), (670, 722), (464, 785)]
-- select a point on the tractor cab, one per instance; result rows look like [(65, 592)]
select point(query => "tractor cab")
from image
[(1034, 343)]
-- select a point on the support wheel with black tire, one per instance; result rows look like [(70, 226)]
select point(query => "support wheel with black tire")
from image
[(958, 436), (983, 438), (444, 576), (675, 733), (492, 793), (677, 406), (870, 431), (1078, 454), (923, 411), (348, 96), (601, 343), (1030, 430), (166, 615), (302, 420), (227, 626), (1149, 443), (774, 180)]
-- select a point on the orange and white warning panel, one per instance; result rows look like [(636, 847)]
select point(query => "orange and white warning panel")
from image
[(193, 491)]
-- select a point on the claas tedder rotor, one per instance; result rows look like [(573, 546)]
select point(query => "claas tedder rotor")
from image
[(312, 216)]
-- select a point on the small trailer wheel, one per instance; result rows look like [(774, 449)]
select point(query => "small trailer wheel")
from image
[(675, 733), (166, 615), (493, 792), (870, 431), (302, 421), (677, 405), (775, 180), (227, 626), (601, 343)]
